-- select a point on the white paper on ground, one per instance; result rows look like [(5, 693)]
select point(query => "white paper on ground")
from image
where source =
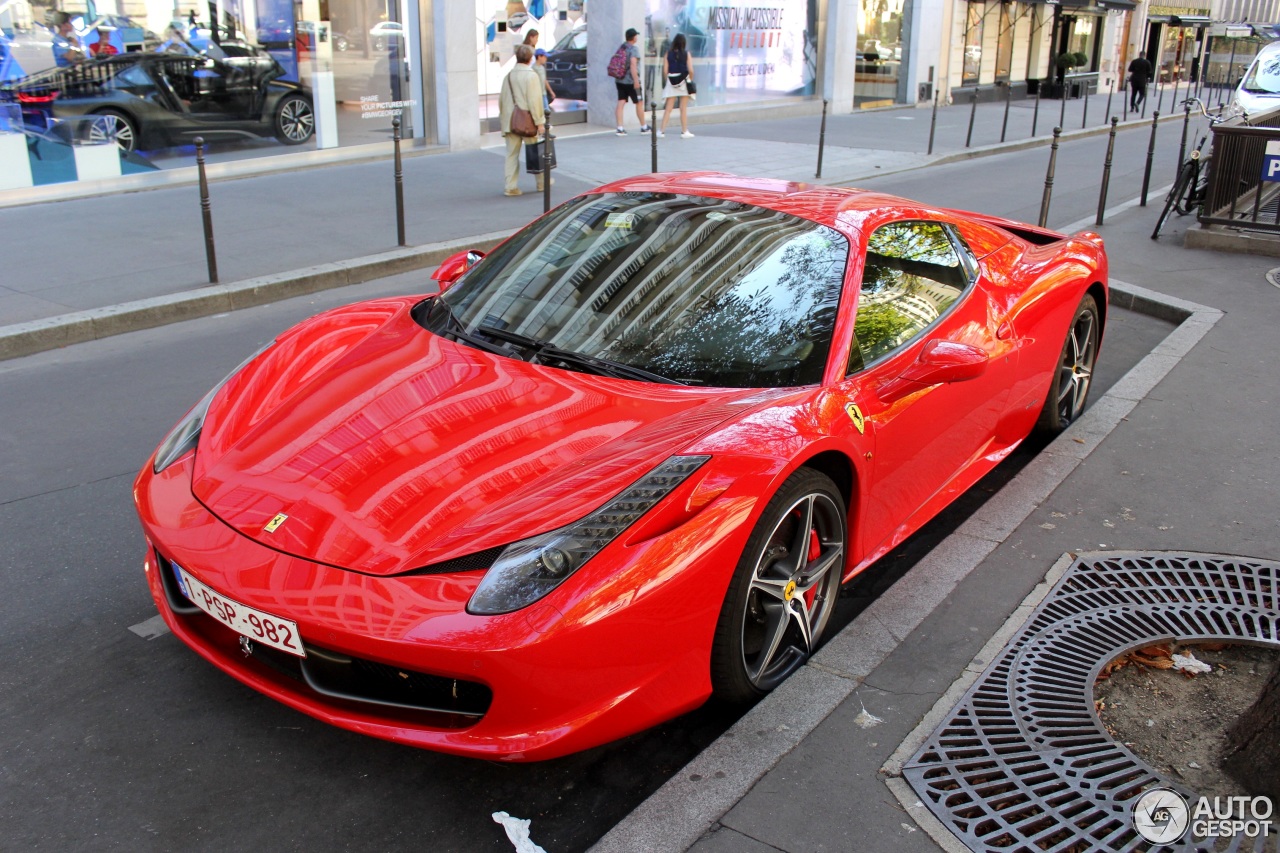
[(517, 832)]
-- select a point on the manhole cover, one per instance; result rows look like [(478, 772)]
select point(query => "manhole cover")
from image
[(1022, 763), (1273, 277)]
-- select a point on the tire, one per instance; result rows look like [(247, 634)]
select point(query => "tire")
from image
[(783, 590), (121, 127), (340, 43), (1069, 388), (295, 120), (1180, 186)]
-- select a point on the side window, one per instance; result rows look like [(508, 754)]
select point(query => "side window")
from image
[(912, 275)]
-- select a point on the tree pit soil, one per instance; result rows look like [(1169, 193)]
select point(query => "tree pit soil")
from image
[(1177, 722)]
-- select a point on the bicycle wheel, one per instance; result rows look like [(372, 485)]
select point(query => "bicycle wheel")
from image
[(1180, 186)]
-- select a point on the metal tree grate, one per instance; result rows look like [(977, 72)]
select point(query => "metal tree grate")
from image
[(1022, 763)]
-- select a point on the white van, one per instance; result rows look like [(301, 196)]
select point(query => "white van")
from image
[(1259, 89)]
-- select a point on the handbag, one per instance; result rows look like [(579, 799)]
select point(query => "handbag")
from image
[(521, 119), (691, 87), (533, 156)]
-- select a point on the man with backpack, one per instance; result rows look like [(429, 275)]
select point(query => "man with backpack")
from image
[(624, 68)]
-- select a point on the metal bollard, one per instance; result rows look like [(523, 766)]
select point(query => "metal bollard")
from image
[(395, 138), (546, 164), (206, 214), (822, 138), (1008, 95), (1177, 81), (1182, 146), (1062, 114), (1084, 118), (933, 122), (653, 134), (1159, 96), (1144, 105), (1151, 155), (1048, 178), (1035, 114), (973, 112), (1110, 95), (1106, 172), (1125, 100)]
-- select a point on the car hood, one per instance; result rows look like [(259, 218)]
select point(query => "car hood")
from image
[(390, 448)]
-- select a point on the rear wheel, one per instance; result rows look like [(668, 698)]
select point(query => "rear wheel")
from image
[(111, 124), (295, 120), (784, 590), (1069, 389)]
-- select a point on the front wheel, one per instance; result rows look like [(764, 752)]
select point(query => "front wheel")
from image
[(1069, 389), (295, 120), (783, 591)]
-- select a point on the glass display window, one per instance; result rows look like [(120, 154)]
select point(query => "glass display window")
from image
[(880, 52), (972, 44)]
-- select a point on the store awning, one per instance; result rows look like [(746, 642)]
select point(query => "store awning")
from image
[(1181, 20)]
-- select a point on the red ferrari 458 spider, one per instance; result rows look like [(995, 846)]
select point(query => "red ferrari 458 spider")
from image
[(619, 465)]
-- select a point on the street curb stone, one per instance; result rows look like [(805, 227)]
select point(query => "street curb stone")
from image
[(36, 336)]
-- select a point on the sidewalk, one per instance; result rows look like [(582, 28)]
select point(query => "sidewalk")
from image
[(76, 267)]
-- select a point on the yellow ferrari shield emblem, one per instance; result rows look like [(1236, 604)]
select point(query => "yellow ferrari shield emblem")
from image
[(855, 415), (790, 591), (274, 524)]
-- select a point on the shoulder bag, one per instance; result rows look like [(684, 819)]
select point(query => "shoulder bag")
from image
[(521, 119)]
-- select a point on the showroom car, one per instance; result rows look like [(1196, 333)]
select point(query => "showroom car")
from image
[(567, 66), (619, 465), (154, 100)]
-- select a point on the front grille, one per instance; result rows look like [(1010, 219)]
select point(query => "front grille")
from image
[(339, 676), (469, 563)]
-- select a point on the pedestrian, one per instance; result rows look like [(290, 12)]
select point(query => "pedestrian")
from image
[(66, 45), (629, 88), (1140, 73), (191, 20), (102, 48), (531, 39), (519, 89), (678, 74), (540, 66)]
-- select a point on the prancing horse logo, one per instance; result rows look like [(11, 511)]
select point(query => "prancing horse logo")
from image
[(855, 415), (274, 524)]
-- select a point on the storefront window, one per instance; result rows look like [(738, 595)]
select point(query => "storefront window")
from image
[(880, 57), (1004, 44), (740, 53), (561, 27), (249, 76), (1083, 36), (972, 45), (1176, 52)]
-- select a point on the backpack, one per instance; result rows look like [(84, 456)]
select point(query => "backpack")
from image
[(618, 65)]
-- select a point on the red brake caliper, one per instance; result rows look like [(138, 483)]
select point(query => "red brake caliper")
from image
[(815, 551)]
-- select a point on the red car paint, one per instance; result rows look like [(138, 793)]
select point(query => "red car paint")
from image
[(393, 449)]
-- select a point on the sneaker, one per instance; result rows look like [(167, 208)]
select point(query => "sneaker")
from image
[(645, 129), (622, 131), (513, 192), (662, 135), (686, 135)]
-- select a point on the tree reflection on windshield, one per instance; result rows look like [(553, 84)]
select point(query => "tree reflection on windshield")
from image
[(707, 291)]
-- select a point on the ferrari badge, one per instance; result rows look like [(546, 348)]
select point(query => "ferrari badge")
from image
[(855, 415), (274, 524)]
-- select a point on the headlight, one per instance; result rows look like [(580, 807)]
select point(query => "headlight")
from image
[(184, 437), (526, 571)]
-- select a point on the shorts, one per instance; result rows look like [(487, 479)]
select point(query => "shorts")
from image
[(627, 92)]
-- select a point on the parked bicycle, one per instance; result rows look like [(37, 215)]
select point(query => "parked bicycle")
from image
[(1192, 185)]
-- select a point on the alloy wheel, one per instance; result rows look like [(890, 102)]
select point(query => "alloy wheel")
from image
[(1076, 370), (793, 590), (296, 120)]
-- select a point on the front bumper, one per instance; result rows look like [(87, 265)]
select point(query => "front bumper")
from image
[(622, 645)]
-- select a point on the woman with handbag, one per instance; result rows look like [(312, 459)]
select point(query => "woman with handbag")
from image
[(678, 72), (520, 113)]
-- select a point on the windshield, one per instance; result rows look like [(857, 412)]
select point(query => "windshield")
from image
[(687, 289), (1264, 76)]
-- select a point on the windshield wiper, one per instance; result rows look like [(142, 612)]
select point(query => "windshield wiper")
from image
[(455, 329), (544, 352)]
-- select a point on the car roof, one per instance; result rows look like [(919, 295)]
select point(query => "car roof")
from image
[(846, 209)]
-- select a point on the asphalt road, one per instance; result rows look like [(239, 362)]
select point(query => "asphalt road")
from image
[(116, 741)]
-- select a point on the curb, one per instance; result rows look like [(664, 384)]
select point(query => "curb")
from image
[(679, 813), (63, 330)]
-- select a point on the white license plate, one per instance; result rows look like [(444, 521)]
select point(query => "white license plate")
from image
[(244, 620)]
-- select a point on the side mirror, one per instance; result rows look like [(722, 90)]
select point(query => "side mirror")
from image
[(947, 361), (454, 266), (939, 362)]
